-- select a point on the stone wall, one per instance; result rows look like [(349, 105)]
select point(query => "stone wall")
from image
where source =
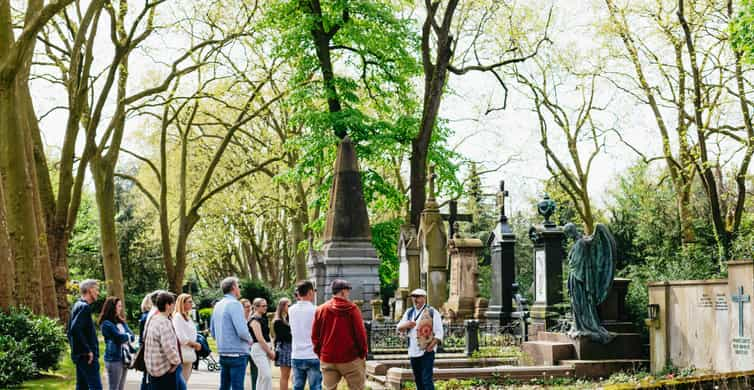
[(702, 324)]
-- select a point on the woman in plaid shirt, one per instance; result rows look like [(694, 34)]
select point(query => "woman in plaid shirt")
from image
[(162, 356)]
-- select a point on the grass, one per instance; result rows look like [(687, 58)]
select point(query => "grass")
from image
[(64, 378)]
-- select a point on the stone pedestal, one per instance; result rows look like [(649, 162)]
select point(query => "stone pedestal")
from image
[(548, 276), (433, 254), (347, 252), (613, 309), (464, 274)]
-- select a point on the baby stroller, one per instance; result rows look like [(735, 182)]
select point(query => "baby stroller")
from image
[(205, 354)]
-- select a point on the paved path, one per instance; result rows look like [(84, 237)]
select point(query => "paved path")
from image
[(201, 379)]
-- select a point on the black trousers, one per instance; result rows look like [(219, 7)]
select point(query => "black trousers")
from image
[(422, 367)]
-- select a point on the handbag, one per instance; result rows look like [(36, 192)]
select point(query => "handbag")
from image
[(128, 357), (138, 362)]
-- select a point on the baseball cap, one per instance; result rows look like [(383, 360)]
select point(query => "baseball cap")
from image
[(418, 293)]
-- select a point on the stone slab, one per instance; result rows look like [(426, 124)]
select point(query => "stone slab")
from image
[(397, 376), (604, 368), (547, 352), (381, 367), (623, 346)]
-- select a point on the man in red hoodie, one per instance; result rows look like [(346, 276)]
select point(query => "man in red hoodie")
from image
[(340, 339)]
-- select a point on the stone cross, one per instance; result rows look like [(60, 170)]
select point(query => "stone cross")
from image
[(501, 200), (453, 218), (741, 299), (431, 180)]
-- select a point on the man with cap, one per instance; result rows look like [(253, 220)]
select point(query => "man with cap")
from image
[(340, 339), (424, 327)]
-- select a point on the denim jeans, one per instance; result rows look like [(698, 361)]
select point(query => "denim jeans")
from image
[(87, 375), (306, 369), (116, 375), (180, 382), (232, 372), (422, 367)]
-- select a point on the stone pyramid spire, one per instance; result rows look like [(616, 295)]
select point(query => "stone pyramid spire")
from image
[(347, 218)]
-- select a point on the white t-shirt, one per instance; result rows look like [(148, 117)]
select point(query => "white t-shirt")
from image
[(185, 331), (301, 318), (413, 346)]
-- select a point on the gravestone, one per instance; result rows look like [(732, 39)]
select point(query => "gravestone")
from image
[(433, 250), (548, 269), (347, 252), (408, 271), (502, 243), (464, 275)]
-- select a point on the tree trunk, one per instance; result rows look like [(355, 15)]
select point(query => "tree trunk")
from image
[(104, 186), (7, 273), (19, 205)]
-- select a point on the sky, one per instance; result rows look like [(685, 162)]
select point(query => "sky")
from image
[(511, 134)]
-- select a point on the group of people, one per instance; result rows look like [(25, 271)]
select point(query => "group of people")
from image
[(167, 335), (319, 345)]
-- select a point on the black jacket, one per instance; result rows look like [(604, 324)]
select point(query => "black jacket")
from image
[(82, 334)]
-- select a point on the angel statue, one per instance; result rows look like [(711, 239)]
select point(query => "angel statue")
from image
[(590, 276)]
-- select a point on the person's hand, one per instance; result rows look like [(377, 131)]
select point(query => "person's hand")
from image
[(410, 325), (271, 355), (431, 345), (91, 357), (197, 347), (172, 369)]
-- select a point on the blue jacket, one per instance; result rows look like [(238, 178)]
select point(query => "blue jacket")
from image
[(228, 327), (114, 340), (82, 334)]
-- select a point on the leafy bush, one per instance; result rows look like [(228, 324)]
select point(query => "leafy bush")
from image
[(252, 289), (16, 364), (205, 314), (44, 337)]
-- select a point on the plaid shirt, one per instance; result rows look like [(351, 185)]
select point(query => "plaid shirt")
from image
[(161, 345)]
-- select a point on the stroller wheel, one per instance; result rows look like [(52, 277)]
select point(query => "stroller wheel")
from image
[(212, 367)]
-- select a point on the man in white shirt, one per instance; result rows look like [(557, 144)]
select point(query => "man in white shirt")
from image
[(304, 361), (422, 359)]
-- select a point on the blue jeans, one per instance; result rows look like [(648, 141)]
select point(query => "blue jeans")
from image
[(422, 367), (232, 372), (181, 384), (306, 369), (87, 375)]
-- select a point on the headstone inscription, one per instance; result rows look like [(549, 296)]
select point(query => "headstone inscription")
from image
[(347, 252)]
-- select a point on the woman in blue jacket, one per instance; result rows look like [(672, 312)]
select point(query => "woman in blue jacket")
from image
[(117, 342)]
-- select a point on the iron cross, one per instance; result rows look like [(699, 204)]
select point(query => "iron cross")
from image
[(740, 298), (453, 217), (501, 195)]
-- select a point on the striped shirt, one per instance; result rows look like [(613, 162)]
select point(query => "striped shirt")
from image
[(161, 345)]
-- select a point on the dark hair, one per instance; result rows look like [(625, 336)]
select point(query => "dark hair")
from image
[(108, 312), (303, 287), (164, 299)]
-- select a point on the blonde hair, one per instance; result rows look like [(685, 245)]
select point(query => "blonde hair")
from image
[(179, 305), (146, 303), (282, 303), (244, 301)]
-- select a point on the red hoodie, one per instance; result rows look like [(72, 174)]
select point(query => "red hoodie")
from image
[(338, 333)]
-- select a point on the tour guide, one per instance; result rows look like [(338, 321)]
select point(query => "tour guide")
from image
[(422, 343)]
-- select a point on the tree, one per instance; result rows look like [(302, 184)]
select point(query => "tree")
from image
[(704, 88), (576, 123), (742, 30), (16, 167), (439, 49)]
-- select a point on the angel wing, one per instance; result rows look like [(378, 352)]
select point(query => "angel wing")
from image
[(602, 252), (591, 262)]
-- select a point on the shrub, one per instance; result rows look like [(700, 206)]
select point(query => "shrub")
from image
[(16, 363), (205, 314), (44, 337), (252, 289)]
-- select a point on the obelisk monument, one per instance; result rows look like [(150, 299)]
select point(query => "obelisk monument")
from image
[(348, 252)]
